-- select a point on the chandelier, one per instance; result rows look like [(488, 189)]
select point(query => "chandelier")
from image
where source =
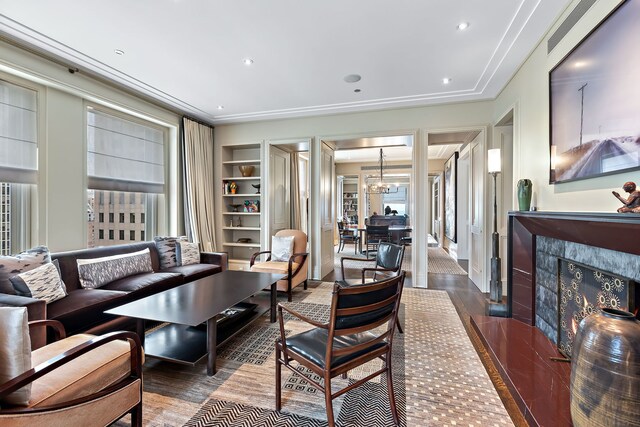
[(376, 185)]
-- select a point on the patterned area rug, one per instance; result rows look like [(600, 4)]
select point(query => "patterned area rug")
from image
[(441, 263), (439, 379)]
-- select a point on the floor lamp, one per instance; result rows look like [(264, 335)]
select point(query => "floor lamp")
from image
[(496, 308)]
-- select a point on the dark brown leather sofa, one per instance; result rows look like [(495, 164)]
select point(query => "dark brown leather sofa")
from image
[(82, 310)]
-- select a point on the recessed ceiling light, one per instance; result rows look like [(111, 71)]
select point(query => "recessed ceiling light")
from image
[(352, 78), (463, 26), (220, 107), (357, 90), (446, 80), (247, 61), (119, 52)]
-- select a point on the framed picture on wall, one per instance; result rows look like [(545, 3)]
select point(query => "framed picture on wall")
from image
[(450, 197), (594, 100)]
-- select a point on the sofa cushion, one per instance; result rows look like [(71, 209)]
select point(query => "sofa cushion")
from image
[(97, 272), (42, 283), (195, 271), (141, 285), (89, 373), (167, 250), (15, 352), (24, 261), (83, 308)]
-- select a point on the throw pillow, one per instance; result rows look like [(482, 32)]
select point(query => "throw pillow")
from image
[(281, 248), (167, 250), (96, 272), (42, 283), (16, 264), (188, 253), (15, 352)]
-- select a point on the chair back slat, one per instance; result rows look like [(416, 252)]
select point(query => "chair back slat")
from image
[(364, 308)]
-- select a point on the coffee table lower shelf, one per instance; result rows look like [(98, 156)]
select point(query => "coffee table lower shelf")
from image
[(188, 344)]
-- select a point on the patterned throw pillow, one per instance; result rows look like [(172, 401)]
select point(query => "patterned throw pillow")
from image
[(42, 283), (281, 248), (167, 250), (188, 253), (96, 272), (24, 261)]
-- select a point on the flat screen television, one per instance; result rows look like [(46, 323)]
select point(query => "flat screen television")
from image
[(595, 101)]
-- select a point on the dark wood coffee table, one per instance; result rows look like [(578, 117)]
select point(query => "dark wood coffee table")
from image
[(188, 307)]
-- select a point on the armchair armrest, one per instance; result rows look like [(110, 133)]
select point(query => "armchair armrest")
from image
[(353, 259), (36, 310), (375, 270), (58, 327), (292, 258), (256, 255), (66, 357), (218, 258)]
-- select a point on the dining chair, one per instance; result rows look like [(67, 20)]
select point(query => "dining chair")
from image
[(347, 236), (360, 329), (375, 234)]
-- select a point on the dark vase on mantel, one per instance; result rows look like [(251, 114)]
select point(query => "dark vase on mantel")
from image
[(525, 189), (605, 370)]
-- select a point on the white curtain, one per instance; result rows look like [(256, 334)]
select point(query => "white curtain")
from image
[(197, 156)]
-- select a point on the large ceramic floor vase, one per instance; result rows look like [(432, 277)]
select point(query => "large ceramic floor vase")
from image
[(605, 370)]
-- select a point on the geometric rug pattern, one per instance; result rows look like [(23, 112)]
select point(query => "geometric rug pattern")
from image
[(439, 379)]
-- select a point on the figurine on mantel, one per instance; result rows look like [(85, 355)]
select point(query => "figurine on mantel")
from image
[(632, 203)]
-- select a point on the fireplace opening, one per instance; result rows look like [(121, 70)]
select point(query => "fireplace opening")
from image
[(583, 291)]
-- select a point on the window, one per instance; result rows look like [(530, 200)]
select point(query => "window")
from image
[(18, 165), (101, 216), (125, 158), (110, 234), (101, 234), (111, 217)]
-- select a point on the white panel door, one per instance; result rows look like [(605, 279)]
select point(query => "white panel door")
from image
[(476, 256), (279, 189), (327, 207)]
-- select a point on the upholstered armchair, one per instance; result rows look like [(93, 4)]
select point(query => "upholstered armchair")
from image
[(295, 266), (82, 380)]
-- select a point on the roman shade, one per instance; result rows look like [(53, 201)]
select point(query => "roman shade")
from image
[(124, 155), (18, 134)]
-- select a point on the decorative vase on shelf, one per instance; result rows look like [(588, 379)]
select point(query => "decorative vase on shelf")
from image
[(233, 187), (246, 170), (525, 189), (605, 384)]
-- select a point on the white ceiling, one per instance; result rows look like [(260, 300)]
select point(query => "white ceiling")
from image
[(188, 54), (394, 154)]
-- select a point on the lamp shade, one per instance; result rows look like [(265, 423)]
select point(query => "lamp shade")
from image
[(494, 162)]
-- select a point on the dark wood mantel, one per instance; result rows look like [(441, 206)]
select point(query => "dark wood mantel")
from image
[(615, 231)]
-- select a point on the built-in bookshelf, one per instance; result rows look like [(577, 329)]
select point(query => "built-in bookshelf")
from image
[(350, 200), (242, 199)]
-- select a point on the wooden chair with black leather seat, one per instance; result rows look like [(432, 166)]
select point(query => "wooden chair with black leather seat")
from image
[(353, 336), (81, 380), (375, 234), (388, 263), (347, 236)]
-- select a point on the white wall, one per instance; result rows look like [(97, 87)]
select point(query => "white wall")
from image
[(528, 91), (62, 97)]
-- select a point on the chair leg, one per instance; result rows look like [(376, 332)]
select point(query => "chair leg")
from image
[(278, 379), (392, 397), (399, 327), (136, 415), (289, 291), (304, 286), (328, 401), (344, 375)]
